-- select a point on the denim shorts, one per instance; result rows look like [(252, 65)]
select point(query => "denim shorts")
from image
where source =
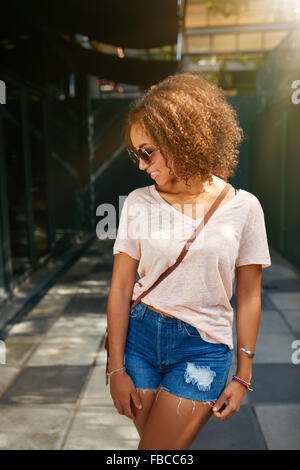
[(169, 352)]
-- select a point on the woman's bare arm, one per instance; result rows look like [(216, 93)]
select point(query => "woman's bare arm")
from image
[(248, 312), (118, 306)]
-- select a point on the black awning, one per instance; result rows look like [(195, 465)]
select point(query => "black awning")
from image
[(126, 70), (27, 59), (137, 24)]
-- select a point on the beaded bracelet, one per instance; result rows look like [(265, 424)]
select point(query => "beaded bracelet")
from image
[(108, 374), (239, 378), (243, 382), (113, 371)]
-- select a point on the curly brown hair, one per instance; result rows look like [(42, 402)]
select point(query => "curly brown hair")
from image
[(190, 120)]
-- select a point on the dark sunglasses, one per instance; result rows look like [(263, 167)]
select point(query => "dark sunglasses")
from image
[(142, 154)]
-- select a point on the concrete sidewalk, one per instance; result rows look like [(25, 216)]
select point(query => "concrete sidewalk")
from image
[(52, 387)]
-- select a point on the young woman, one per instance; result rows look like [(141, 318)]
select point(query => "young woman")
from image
[(169, 358)]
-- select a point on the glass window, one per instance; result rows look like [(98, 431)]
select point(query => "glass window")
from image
[(224, 42), (273, 38), (255, 12), (38, 175), (15, 181), (194, 44), (196, 15), (250, 41), (2, 274), (217, 19)]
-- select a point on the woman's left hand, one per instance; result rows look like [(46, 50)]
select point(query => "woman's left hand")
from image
[(233, 393)]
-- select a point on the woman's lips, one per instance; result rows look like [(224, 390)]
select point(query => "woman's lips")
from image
[(154, 174)]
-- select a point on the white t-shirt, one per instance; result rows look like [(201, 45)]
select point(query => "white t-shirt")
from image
[(199, 290)]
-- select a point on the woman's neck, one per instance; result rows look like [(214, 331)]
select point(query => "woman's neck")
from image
[(197, 187)]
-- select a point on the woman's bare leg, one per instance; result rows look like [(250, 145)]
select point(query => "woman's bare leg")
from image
[(173, 422), (147, 397)]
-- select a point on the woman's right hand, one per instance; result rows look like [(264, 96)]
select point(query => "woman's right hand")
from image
[(122, 390)]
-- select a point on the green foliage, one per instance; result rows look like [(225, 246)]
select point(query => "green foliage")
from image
[(225, 7), (165, 53), (161, 53)]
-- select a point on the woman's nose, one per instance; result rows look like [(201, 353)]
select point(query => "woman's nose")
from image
[(142, 164)]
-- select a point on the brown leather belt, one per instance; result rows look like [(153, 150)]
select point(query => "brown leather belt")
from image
[(164, 314)]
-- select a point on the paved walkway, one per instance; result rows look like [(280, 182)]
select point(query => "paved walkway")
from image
[(52, 388)]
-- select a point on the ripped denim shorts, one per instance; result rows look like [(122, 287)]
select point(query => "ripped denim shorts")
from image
[(171, 353)]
